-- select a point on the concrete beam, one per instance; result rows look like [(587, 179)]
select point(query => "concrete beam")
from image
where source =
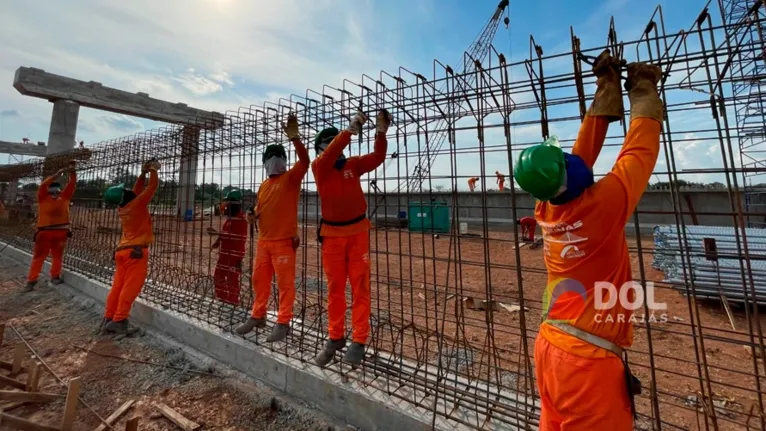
[(22, 149), (34, 82)]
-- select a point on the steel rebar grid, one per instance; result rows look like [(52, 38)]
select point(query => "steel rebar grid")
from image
[(428, 347)]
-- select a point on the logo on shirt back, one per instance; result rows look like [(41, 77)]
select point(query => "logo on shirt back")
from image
[(347, 174), (571, 252)]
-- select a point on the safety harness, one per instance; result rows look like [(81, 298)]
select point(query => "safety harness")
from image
[(136, 253), (337, 224), (632, 383), (62, 226)]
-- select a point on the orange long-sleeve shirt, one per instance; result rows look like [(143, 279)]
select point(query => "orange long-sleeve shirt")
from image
[(585, 239), (278, 197), (340, 190), (135, 217), (55, 212)]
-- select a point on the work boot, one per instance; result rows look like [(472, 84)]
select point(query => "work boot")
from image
[(251, 324), (120, 328), (607, 101), (102, 326), (325, 356), (642, 91), (278, 333), (57, 281), (355, 354), (30, 286)]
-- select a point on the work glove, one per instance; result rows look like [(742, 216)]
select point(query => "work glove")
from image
[(151, 165), (357, 122), (296, 242), (291, 127), (607, 101), (383, 121), (642, 91)]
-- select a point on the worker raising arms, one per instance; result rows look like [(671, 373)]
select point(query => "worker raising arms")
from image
[(132, 254), (231, 243), (277, 211), (584, 383), (344, 232), (52, 225), (500, 181)]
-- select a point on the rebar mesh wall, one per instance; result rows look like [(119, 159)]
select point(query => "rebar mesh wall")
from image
[(432, 343)]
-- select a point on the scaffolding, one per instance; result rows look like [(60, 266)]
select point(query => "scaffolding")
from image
[(455, 315)]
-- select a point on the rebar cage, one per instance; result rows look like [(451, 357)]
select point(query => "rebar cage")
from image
[(456, 306)]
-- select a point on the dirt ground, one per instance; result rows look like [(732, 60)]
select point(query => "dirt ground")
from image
[(57, 326), (419, 285)]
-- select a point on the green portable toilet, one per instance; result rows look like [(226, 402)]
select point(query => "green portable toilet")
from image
[(429, 217)]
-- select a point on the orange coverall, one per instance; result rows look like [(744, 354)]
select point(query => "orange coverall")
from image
[(472, 183), (137, 235), (346, 249), (232, 243), (500, 181), (52, 227), (277, 212), (582, 387)]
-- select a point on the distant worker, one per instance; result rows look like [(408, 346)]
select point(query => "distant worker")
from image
[(231, 243), (278, 240), (344, 232), (132, 254), (500, 181), (52, 225), (580, 362), (472, 183), (528, 227)]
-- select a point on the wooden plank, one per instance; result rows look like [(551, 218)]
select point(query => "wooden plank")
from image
[(2, 333), (6, 365), (33, 377), (32, 397), (132, 424), (12, 383), (114, 417), (177, 418), (10, 421), (18, 359), (70, 408), (10, 406)]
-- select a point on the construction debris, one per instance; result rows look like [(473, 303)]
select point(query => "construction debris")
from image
[(177, 418)]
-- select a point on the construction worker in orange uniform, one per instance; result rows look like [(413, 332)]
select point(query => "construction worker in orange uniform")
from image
[(500, 181), (472, 183), (528, 227), (52, 225), (132, 254), (277, 213), (231, 242), (344, 232), (580, 361)]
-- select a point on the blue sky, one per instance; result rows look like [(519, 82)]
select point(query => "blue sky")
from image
[(221, 54)]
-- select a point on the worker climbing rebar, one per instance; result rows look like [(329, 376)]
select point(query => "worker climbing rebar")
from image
[(278, 240), (344, 232), (580, 361), (231, 243), (472, 183), (52, 225), (500, 181), (132, 254)]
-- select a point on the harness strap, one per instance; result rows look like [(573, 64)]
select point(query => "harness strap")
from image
[(54, 227), (129, 247), (337, 224), (588, 337)]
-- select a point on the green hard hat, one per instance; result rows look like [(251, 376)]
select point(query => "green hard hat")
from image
[(233, 195), (325, 137), (113, 195), (274, 150), (541, 170)]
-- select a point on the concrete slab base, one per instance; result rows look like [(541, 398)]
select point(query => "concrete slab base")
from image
[(356, 403)]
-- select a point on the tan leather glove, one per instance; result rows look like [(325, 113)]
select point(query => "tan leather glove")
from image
[(291, 127), (642, 91), (357, 122), (383, 121), (151, 165), (607, 101)]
